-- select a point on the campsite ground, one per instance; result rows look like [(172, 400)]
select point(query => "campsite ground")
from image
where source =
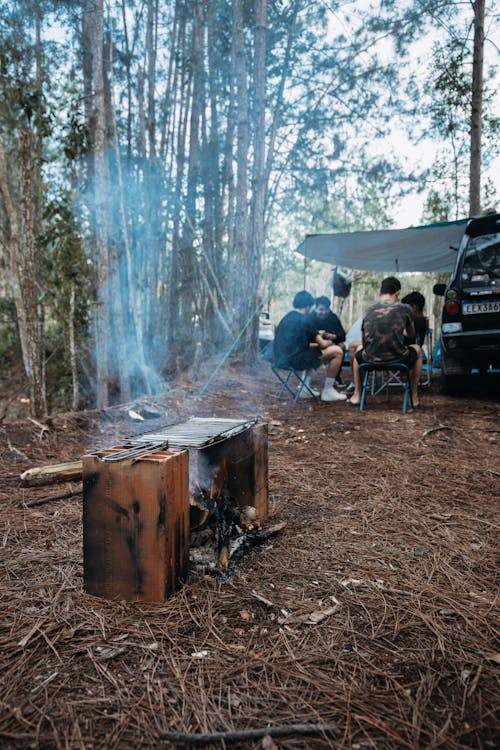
[(391, 536)]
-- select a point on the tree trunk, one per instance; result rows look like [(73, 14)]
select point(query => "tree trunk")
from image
[(476, 110), (75, 390), (189, 280), (94, 25), (228, 188), (241, 235), (151, 26), (128, 59), (259, 168), (179, 135), (24, 272), (122, 343)]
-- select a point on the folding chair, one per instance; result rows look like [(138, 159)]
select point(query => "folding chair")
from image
[(391, 376), (284, 373), (427, 355)]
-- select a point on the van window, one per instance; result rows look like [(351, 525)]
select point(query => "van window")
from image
[(481, 261)]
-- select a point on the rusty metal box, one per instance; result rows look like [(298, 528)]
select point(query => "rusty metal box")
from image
[(135, 525)]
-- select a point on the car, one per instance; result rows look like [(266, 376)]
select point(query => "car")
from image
[(266, 330), (470, 322)]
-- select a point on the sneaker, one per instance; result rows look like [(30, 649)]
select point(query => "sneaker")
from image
[(339, 384), (350, 389), (330, 394)]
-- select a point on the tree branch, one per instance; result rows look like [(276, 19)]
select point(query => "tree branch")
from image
[(250, 734)]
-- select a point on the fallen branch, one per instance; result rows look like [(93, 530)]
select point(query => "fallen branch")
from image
[(249, 734), (43, 427), (436, 429), (50, 498), (41, 475)]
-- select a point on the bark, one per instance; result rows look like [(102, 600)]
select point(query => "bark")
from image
[(52, 474), (154, 246), (228, 181), (94, 24), (179, 153), (120, 363), (75, 397), (241, 234), (214, 318), (24, 271), (188, 280), (259, 166), (128, 74), (166, 113), (142, 114), (476, 110), (151, 27), (87, 42)]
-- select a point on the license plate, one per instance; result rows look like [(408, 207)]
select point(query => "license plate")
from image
[(473, 308)]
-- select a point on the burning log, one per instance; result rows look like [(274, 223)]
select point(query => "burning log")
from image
[(225, 529)]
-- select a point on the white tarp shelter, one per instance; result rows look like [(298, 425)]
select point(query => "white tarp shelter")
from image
[(424, 248)]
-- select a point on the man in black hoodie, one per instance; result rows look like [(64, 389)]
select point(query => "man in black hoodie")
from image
[(298, 344)]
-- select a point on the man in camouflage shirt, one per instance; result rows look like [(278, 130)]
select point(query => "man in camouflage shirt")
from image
[(384, 328)]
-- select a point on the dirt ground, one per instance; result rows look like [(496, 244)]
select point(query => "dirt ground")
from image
[(372, 618)]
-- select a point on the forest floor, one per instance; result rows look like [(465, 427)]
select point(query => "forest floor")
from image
[(390, 548)]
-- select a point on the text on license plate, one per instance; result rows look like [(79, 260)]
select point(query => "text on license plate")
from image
[(473, 308)]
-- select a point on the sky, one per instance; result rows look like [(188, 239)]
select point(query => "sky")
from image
[(409, 210)]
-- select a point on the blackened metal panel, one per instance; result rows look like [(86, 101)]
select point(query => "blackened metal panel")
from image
[(135, 526)]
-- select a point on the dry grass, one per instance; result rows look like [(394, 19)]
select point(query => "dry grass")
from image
[(394, 518)]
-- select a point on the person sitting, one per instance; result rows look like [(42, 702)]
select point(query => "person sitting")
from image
[(417, 304), (298, 344), (384, 328), (326, 322), (353, 341), (328, 325)]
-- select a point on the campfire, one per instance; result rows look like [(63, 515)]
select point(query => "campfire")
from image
[(219, 528), (185, 498)]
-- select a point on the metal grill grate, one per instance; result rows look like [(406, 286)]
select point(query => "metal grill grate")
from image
[(197, 432)]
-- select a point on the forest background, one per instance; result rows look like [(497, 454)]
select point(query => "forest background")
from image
[(160, 162)]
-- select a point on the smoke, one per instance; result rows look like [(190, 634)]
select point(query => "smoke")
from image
[(128, 255)]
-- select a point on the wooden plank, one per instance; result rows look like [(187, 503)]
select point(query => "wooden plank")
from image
[(41, 475)]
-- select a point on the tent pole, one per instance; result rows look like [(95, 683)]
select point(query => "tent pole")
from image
[(305, 271)]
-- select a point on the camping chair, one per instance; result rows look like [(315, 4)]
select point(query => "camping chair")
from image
[(427, 356), (393, 373), (284, 373)]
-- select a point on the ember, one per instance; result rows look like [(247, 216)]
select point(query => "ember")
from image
[(225, 528)]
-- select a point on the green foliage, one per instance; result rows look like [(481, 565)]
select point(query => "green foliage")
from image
[(451, 80), (76, 142), (64, 261), (436, 209), (67, 281)]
